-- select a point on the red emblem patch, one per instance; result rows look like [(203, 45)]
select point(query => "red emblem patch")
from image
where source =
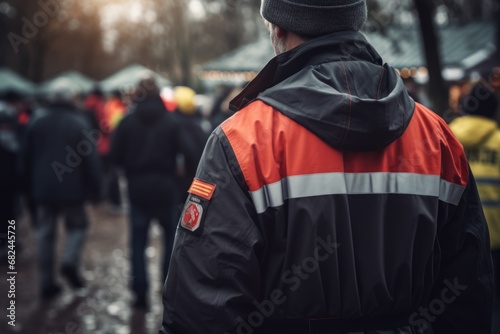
[(191, 217)]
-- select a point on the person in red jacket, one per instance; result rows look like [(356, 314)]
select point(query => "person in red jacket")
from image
[(113, 111), (330, 202), (94, 110)]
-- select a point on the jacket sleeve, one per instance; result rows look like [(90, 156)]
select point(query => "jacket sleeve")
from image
[(188, 146), (116, 150), (461, 301), (92, 168), (25, 159), (214, 272)]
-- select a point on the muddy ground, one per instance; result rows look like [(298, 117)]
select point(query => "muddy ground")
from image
[(104, 306)]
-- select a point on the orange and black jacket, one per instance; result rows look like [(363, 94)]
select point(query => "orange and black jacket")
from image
[(330, 203)]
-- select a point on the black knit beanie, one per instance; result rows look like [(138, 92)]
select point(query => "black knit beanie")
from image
[(315, 17), (481, 101)]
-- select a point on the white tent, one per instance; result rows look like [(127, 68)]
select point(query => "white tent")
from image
[(70, 80), (127, 79), (11, 81)]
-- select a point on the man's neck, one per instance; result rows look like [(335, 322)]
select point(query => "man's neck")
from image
[(293, 40)]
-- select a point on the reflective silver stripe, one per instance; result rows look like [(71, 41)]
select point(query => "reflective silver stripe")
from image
[(450, 192), (274, 195), (393, 183)]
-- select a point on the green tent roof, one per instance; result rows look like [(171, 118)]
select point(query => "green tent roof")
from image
[(11, 81), (462, 46)]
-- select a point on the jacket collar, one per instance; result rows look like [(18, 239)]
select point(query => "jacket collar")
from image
[(346, 45)]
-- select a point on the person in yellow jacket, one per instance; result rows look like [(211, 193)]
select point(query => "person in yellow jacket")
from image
[(480, 135)]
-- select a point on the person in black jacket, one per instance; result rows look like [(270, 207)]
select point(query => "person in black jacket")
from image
[(60, 165), (331, 202), (9, 181), (145, 145), (193, 124)]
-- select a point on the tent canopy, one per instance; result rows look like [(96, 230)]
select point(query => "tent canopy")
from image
[(129, 77), (462, 46), (70, 80), (11, 81)]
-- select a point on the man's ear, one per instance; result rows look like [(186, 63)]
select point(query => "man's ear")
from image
[(280, 32)]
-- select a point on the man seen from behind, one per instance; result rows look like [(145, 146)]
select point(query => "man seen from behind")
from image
[(330, 202)]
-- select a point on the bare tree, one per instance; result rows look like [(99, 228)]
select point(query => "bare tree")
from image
[(47, 37), (21, 31), (437, 88)]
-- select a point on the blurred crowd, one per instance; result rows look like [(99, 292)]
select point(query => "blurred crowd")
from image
[(135, 152)]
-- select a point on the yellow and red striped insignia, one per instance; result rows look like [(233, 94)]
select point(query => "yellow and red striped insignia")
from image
[(201, 188)]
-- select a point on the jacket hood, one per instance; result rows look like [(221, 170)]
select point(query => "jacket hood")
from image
[(150, 109), (473, 131), (337, 87)]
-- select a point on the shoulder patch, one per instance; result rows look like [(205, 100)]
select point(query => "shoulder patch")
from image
[(193, 214), (202, 189)]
